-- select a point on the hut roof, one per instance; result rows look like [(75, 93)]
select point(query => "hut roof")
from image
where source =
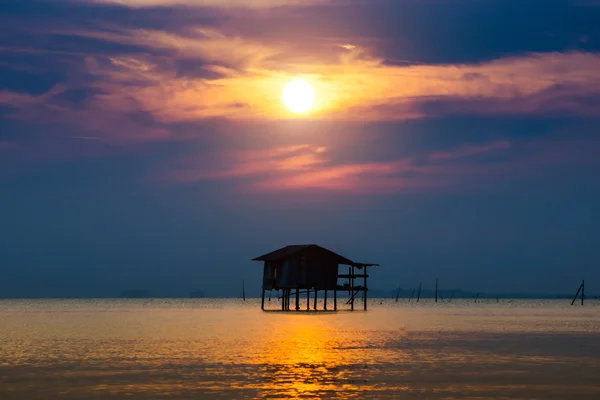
[(288, 251)]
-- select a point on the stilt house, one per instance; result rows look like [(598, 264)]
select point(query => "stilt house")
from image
[(300, 269)]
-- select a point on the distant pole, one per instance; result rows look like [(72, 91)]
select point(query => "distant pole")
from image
[(243, 291), (577, 294), (476, 296), (582, 291), (436, 289), (419, 292), (398, 294), (411, 295)]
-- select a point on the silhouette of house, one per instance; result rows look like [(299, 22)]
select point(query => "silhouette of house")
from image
[(306, 268)]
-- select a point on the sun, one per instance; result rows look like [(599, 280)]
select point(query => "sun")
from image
[(298, 96)]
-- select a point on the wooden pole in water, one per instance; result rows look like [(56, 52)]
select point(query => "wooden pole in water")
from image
[(398, 294), (334, 299), (243, 291), (476, 296), (365, 292), (577, 294), (419, 293), (411, 295), (308, 300), (436, 289)]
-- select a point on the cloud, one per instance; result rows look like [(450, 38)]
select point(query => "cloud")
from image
[(470, 150), (5, 145), (295, 158), (210, 3), (130, 77)]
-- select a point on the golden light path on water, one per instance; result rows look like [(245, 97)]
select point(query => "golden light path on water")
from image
[(202, 348)]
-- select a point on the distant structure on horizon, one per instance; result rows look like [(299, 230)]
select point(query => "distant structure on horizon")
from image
[(309, 267)]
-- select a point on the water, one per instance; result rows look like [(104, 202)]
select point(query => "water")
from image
[(214, 348)]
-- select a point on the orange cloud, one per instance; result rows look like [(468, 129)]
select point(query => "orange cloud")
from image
[(356, 87), (296, 158)]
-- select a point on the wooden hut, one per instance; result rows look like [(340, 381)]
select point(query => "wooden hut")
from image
[(302, 269)]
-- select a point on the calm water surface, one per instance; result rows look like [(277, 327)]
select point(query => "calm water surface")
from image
[(215, 348)]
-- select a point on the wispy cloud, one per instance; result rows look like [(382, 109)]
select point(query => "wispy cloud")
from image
[(470, 150), (211, 3)]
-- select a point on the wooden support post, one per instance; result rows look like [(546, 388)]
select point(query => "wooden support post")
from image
[(307, 299), (365, 292), (325, 300), (335, 300), (283, 300), (352, 286), (297, 299), (349, 280), (262, 300), (315, 302)]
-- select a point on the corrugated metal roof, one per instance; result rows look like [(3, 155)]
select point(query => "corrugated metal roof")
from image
[(288, 251)]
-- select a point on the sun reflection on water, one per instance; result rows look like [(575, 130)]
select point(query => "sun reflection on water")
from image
[(195, 349)]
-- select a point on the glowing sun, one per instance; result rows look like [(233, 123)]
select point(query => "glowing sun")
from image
[(298, 96)]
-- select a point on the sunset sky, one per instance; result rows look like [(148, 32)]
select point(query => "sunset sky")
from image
[(144, 143)]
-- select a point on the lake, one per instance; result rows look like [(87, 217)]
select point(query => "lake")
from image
[(226, 348)]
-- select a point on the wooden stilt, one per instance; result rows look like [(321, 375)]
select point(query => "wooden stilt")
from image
[(315, 302), (325, 300), (262, 300), (283, 300), (365, 292), (297, 299), (308, 299), (335, 300)]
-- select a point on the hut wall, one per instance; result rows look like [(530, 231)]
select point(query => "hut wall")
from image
[(315, 269), (270, 274), (323, 273)]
